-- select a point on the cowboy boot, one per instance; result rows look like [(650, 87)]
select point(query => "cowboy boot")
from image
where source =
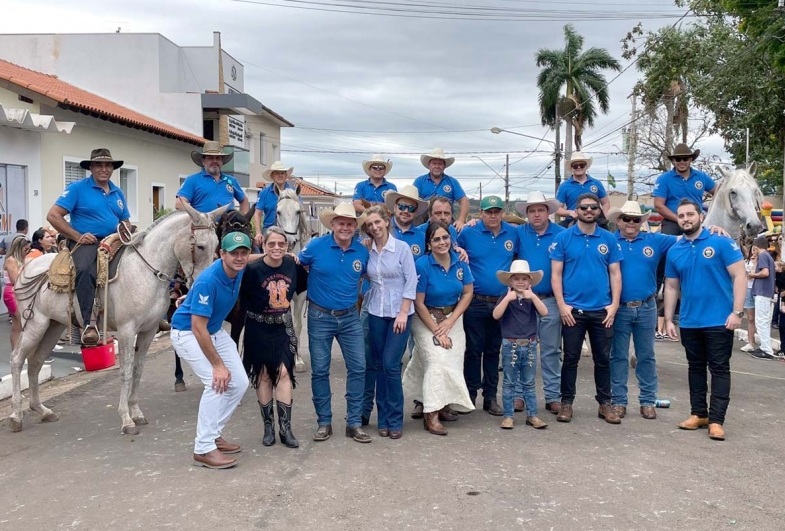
[(285, 425), (269, 417), (432, 424)]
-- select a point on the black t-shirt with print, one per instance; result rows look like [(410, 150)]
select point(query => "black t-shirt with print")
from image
[(269, 290)]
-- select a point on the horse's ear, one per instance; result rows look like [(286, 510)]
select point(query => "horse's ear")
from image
[(251, 212), (297, 189), (217, 213), (275, 190), (752, 169), (195, 216), (725, 173)]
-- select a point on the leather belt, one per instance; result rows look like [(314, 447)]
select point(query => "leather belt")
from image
[(485, 298), (638, 304), (446, 310), (265, 318), (544, 295), (521, 341), (334, 313)]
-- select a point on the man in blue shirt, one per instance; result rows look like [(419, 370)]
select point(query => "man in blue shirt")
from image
[(405, 206), (212, 354), (267, 202), (371, 192), (534, 241), (681, 182), (96, 206), (586, 281), (491, 245), (335, 263), (579, 183), (440, 209), (436, 182), (211, 188), (709, 272)]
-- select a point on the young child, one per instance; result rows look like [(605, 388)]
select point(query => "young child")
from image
[(517, 313)]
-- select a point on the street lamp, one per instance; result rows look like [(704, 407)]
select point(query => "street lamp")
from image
[(556, 152)]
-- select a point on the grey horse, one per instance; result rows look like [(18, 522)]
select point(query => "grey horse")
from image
[(137, 299), (736, 203)]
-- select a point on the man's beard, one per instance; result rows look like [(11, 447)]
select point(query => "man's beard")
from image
[(689, 232)]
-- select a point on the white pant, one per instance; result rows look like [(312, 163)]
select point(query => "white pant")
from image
[(763, 322), (214, 409)]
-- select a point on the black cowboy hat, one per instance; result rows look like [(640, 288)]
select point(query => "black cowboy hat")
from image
[(100, 155), (683, 150)]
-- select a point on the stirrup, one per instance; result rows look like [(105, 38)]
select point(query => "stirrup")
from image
[(98, 335)]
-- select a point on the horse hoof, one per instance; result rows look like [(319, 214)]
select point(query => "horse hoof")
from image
[(50, 417), (179, 387), (130, 430), (16, 425), (140, 421)]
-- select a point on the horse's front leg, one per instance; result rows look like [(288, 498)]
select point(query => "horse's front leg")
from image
[(143, 340), (34, 364), (126, 339)]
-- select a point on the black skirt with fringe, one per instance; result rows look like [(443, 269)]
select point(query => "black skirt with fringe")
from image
[(269, 345)]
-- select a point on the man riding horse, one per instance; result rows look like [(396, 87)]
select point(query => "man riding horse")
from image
[(96, 206), (211, 188)]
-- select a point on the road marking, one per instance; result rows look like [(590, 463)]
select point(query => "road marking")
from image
[(732, 372)]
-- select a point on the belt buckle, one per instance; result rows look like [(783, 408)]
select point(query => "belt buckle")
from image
[(635, 304)]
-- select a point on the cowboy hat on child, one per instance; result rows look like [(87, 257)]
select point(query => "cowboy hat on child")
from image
[(519, 267)]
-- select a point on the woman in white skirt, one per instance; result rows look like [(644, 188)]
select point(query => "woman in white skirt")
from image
[(444, 291)]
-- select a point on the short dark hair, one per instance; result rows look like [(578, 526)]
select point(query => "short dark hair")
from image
[(687, 201), (21, 224), (439, 198), (433, 227), (587, 195)]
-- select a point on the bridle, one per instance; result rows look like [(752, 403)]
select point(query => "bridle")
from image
[(295, 235)]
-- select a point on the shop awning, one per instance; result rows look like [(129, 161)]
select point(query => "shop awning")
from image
[(24, 119)]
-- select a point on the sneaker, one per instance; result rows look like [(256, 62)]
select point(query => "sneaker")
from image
[(747, 348), (778, 354), (58, 347), (658, 336), (758, 354)]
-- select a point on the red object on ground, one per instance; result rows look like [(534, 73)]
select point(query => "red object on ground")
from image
[(99, 357)]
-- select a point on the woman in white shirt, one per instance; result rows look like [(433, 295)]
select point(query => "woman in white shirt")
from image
[(389, 301)]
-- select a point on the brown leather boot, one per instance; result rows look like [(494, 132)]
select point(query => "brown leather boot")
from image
[(648, 412), (694, 422), (447, 415), (621, 411), (606, 412), (716, 432), (225, 447), (214, 459), (565, 413), (432, 424), (536, 423), (519, 405), (553, 407), (90, 336)]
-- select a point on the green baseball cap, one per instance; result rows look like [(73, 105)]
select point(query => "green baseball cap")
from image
[(491, 201), (235, 240)]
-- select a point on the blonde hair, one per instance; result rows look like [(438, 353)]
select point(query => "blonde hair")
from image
[(382, 212)]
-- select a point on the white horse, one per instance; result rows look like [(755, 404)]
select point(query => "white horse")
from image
[(736, 203), (291, 218), (137, 299)]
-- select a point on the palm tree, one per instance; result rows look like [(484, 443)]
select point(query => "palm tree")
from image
[(580, 73)]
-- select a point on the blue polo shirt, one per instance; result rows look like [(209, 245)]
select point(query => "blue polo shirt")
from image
[(706, 286), (448, 187), (267, 202), (535, 249), (213, 296), (373, 194), (451, 229), (586, 282), (206, 194), (639, 267), (489, 254), (414, 237), (570, 190), (673, 187), (334, 273), (442, 288), (93, 210)]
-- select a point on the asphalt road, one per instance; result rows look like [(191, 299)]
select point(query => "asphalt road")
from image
[(80, 473)]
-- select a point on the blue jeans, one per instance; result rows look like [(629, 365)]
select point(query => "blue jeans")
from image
[(370, 366), (388, 348), (347, 330), (640, 324), (520, 367), (483, 342), (549, 333)]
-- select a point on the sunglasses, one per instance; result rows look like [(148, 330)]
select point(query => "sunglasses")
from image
[(588, 207), (681, 159), (282, 245), (406, 208), (378, 168), (629, 219), (578, 166), (438, 239)]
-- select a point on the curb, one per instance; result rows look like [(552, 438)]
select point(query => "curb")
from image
[(6, 385)]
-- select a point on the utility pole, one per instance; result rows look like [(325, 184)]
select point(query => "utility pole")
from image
[(507, 184), (632, 146), (557, 156), (481, 192)]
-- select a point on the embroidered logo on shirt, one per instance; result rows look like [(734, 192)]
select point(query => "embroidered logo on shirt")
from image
[(708, 252), (416, 250), (602, 248), (65, 193), (699, 185), (204, 299), (459, 274), (357, 265), (594, 189), (552, 247), (508, 245), (120, 203), (648, 252), (229, 188), (734, 246), (447, 188)]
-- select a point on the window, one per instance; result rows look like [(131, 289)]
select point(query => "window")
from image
[(276, 152), (73, 172), (127, 183), (262, 149)]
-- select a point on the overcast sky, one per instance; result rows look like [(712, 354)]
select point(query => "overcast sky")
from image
[(401, 86)]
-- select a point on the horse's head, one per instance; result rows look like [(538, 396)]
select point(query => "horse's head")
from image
[(234, 221), (740, 196), (196, 252), (289, 215)]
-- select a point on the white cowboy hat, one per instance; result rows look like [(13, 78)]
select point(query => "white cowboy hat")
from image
[(376, 159), (341, 210), (630, 208), (437, 153), (407, 192), (210, 148), (578, 156), (519, 267), (537, 198), (277, 166)]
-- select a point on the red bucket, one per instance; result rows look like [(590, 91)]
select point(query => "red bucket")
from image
[(99, 357)]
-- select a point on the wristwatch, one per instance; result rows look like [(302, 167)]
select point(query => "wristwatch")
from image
[(740, 313)]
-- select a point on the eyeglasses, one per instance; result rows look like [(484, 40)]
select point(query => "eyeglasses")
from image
[(629, 219), (682, 159), (377, 167), (406, 208), (437, 239), (578, 166), (282, 245), (589, 207)]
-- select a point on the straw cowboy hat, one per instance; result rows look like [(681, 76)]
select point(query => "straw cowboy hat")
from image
[(578, 156), (683, 150), (376, 159), (407, 192), (513, 219), (210, 148), (537, 198), (437, 153), (341, 210), (100, 155), (277, 166), (630, 208), (519, 267)]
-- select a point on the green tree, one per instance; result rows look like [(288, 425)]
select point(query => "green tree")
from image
[(580, 75)]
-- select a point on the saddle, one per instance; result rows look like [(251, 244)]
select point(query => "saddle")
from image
[(62, 274)]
